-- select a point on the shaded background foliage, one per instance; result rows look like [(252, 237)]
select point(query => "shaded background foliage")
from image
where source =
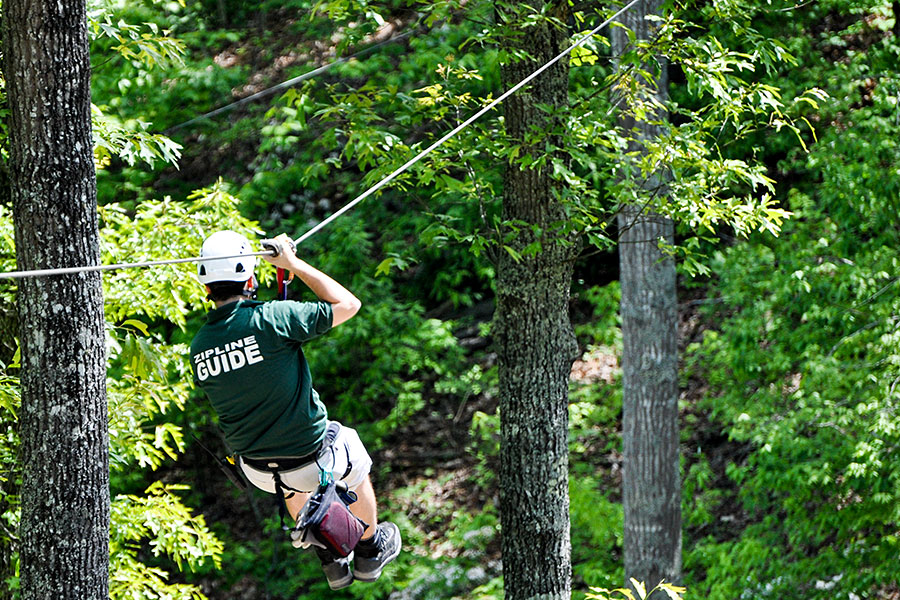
[(789, 393)]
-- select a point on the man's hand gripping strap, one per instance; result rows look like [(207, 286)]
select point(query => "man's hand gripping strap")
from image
[(283, 276)]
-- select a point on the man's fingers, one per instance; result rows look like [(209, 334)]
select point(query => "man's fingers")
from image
[(279, 245), (276, 246), (287, 241)]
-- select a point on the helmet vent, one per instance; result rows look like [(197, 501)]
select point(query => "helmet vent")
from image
[(239, 268), (202, 270)]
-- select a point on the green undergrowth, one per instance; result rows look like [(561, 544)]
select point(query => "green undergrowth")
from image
[(595, 404)]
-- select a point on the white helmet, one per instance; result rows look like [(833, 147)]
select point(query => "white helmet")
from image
[(226, 243)]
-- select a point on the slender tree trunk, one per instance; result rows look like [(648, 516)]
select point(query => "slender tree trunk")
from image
[(223, 13), (651, 479), (535, 341), (64, 530), (895, 6)]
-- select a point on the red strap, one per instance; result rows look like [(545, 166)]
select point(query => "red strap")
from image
[(282, 284)]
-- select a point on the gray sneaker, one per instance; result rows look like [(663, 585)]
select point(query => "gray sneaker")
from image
[(337, 571), (369, 569)]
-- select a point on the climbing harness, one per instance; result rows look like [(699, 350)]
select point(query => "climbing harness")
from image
[(278, 466), (386, 180)]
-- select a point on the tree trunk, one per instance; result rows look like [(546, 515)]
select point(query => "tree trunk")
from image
[(64, 530), (535, 341), (895, 7), (651, 478)]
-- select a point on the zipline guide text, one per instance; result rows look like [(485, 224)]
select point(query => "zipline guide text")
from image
[(231, 357)]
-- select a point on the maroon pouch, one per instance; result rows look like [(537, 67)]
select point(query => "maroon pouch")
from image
[(326, 520)]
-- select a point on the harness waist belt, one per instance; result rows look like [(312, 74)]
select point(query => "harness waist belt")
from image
[(295, 462), (281, 464)]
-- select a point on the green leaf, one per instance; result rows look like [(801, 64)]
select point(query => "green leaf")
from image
[(674, 592), (639, 586), (139, 325), (513, 253), (384, 267), (625, 592)]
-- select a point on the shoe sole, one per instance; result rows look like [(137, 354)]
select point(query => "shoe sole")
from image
[(344, 582), (374, 575), (339, 585)]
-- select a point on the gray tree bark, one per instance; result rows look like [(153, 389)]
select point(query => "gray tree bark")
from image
[(535, 340), (64, 530), (651, 478)]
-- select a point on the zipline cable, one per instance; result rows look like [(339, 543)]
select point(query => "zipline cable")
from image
[(461, 126), (151, 263), (293, 81), (358, 199)]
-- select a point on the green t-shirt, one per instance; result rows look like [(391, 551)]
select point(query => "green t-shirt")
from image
[(248, 360)]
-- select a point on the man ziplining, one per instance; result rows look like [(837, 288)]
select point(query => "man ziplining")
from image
[(249, 361)]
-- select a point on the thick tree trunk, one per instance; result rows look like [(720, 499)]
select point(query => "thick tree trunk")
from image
[(651, 479), (535, 344), (64, 530)]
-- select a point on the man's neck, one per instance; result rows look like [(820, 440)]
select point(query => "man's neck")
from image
[(220, 304)]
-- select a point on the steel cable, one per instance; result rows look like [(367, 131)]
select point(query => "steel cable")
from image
[(383, 182)]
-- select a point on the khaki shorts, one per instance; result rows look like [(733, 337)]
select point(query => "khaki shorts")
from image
[(348, 461)]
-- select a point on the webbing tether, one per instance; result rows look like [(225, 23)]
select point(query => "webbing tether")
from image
[(284, 277)]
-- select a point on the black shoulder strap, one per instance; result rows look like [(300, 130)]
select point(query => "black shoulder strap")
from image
[(227, 464)]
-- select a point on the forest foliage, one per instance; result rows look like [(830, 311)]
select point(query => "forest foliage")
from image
[(782, 151)]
